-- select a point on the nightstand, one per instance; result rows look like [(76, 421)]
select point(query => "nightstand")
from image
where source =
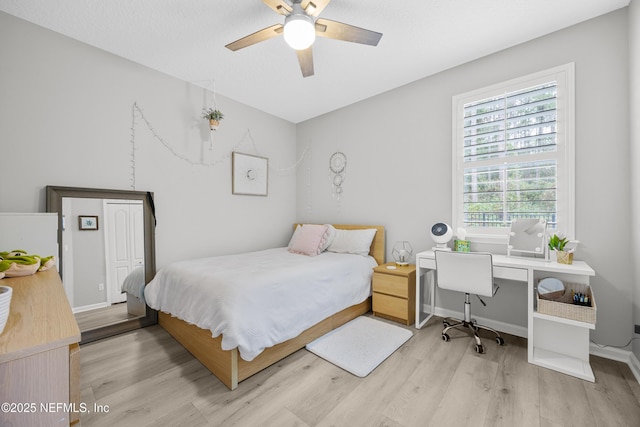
[(394, 292)]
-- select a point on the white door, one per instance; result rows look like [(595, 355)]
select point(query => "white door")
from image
[(125, 244)]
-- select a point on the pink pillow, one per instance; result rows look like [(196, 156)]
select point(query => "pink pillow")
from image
[(309, 239)]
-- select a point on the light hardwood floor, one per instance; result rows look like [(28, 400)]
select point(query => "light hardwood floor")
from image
[(148, 379)]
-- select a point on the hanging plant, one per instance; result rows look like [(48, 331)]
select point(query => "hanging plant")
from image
[(214, 117)]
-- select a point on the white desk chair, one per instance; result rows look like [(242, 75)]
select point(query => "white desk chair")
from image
[(471, 273)]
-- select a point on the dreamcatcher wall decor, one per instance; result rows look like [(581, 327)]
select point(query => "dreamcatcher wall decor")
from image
[(338, 167)]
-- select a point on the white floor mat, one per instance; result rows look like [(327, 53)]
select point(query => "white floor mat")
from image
[(360, 345)]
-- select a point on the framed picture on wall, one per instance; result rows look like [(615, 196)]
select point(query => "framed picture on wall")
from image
[(88, 222), (249, 174)]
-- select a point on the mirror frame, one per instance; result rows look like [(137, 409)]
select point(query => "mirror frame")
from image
[(54, 204)]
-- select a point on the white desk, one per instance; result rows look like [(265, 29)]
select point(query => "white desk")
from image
[(553, 342)]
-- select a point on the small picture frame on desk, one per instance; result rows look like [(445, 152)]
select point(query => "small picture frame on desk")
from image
[(88, 222)]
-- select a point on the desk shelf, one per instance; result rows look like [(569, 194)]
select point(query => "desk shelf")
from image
[(562, 363), (563, 320), (560, 344)]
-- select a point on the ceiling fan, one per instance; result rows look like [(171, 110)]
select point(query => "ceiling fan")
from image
[(300, 28)]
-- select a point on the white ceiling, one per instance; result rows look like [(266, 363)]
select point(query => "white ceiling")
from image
[(186, 39)]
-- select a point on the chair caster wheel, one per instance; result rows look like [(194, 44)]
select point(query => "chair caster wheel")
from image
[(446, 324), (500, 341), (479, 349), (445, 337)]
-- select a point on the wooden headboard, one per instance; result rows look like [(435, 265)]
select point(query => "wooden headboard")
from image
[(378, 250)]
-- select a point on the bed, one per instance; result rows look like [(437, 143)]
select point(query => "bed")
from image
[(231, 358)]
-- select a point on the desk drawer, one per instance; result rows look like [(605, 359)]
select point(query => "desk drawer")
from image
[(391, 285), (510, 273)]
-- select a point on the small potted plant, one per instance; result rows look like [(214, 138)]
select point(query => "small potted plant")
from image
[(557, 242), (214, 117)]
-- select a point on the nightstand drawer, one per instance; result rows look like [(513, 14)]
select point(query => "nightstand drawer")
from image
[(391, 306), (391, 285)]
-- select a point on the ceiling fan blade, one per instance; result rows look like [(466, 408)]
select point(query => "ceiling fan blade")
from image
[(279, 6), (349, 33), (314, 7), (257, 37), (305, 58)]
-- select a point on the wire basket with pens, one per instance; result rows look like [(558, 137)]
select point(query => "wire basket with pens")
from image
[(576, 303)]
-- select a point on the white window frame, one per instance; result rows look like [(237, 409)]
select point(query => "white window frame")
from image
[(564, 75)]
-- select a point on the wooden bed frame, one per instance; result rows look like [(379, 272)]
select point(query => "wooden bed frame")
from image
[(228, 366)]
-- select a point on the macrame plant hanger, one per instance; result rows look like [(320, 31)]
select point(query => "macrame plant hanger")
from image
[(213, 124)]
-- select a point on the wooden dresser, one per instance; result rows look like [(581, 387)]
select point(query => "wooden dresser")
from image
[(39, 354)]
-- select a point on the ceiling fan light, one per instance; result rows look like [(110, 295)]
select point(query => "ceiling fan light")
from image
[(299, 31)]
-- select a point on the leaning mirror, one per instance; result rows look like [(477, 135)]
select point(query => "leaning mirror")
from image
[(106, 243), (527, 237)]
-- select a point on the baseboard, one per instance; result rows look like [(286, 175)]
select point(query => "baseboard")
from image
[(624, 356), (634, 365), (611, 353), (89, 307)]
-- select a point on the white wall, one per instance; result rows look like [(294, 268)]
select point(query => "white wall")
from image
[(88, 252), (66, 119), (398, 146), (634, 112)]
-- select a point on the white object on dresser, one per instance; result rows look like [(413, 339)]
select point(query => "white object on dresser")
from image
[(5, 304)]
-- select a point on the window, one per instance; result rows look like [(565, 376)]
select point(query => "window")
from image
[(513, 154)]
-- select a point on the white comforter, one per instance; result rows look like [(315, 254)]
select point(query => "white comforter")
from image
[(259, 299), (133, 284)]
